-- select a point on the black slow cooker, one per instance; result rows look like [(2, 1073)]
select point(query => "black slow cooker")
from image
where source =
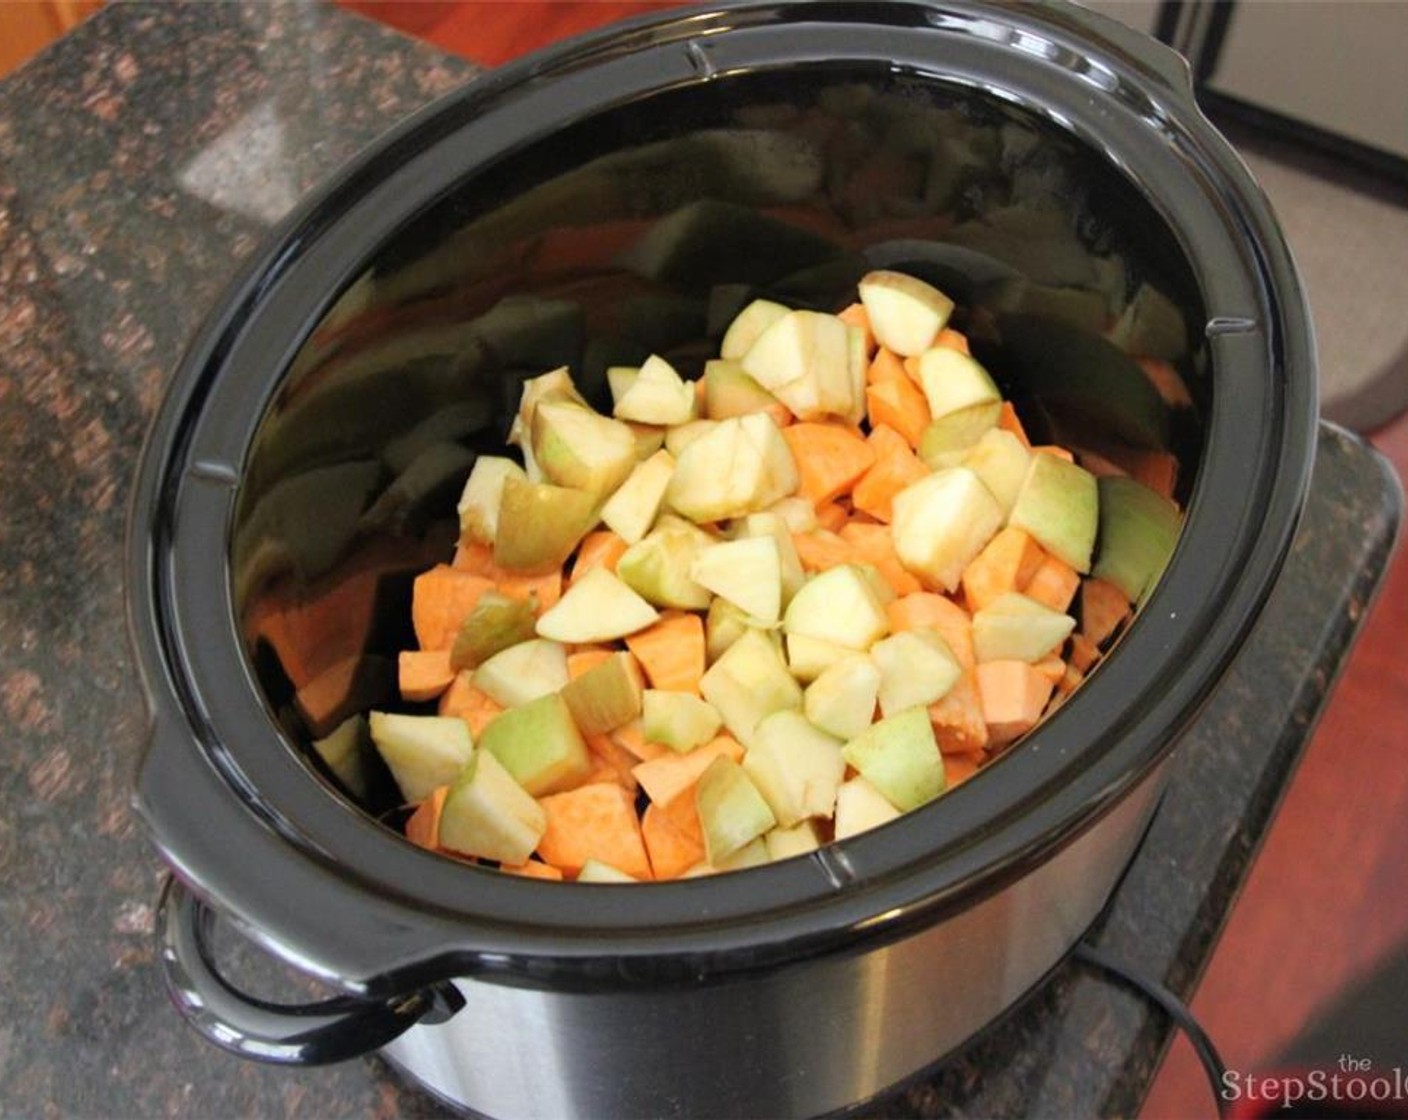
[(620, 195)]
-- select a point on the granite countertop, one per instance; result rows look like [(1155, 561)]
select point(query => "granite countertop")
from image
[(140, 159)]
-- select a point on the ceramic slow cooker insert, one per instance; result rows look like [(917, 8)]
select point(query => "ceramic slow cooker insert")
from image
[(618, 196)]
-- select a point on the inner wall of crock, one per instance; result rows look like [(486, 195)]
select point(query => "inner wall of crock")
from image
[(642, 230)]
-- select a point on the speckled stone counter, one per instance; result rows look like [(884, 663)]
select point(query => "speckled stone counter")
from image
[(140, 160)]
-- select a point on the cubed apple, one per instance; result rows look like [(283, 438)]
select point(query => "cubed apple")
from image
[(771, 524), (1059, 505), (599, 871), (799, 840), (680, 436), (808, 657), (941, 522), (1015, 628), (841, 701), (861, 807), (1001, 460), (479, 502), (748, 325), (906, 314), (423, 753), (747, 572), (657, 566), (540, 524), (916, 669), (803, 359), (1138, 530), (598, 607), (495, 623), (725, 624), (606, 695), (947, 441), (657, 395), (839, 605), (900, 757), (731, 810), (730, 391), (795, 766), (748, 682), (488, 815), (953, 381), (739, 466), (579, 448), (523, 672), (678, 720), (631, 511), (539, 745)]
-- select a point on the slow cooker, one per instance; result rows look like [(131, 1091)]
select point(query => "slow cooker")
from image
[(622, 194)]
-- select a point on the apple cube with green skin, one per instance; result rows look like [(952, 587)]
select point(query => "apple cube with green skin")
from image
[(953, 381), (522, 673), (746, 572), (678, 720), (905, 313), (916, 669), (1015, 628), (839, 605), (900, 757), (489, 815), (731, 810), (540, 745), (799, 840), (495, 623), (479, 503), (771, 525), (606, 695), (941, 522), (599, 607), (1001, 460), (1138, 530), (730, 391), (1059, 505), (861, 807), (657, 395), (540, 524), (949, 440), (795, 766), (423, 753), (631, 511), (749, 682), (749, 326), (841, 701), (804, 360), (657, 566), (739, 466), (579, 448)]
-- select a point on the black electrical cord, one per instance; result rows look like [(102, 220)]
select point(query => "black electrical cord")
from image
[(1174, 1007)]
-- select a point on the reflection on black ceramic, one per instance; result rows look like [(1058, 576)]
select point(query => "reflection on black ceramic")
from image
[(1071, 288)]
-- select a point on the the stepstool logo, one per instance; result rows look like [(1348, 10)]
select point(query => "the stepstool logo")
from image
[(1350, 1081)]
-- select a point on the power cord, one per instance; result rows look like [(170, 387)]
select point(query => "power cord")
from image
[(1174, 1007)]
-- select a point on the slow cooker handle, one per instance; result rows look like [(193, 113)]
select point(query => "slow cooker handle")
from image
[(330, 1030)]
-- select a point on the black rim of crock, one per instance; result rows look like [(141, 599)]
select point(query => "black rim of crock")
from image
[(240, 817)]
